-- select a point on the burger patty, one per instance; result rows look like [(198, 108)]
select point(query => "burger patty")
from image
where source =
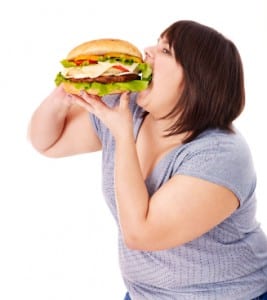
[(109, 79)]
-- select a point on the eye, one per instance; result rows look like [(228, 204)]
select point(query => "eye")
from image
[(163, 46), (166, 51)]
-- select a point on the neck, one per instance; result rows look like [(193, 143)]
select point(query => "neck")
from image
[(158, 128), (159, 125)]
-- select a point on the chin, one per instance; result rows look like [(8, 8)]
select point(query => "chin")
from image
[(144, 98)]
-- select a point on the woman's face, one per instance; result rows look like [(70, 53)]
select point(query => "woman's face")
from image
[(167, 81)]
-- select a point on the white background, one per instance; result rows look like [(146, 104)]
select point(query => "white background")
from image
[(57, 238)]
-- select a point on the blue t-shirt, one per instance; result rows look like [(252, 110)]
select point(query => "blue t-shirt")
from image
[(227, 263)]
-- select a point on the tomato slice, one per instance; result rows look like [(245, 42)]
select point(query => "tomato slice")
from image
[(92, 61), (121, 68), (80, 62)]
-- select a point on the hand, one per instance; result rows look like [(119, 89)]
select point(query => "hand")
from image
[(61, 97), (117, 119)]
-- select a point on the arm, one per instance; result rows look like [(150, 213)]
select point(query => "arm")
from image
[(59, 127), (183, 209)]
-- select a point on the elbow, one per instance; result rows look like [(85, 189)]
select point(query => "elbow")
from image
[(46, 153), (138, 236), (133, 236), (35, 143), (137, 241), (143, 240), (42, 150), (132, 243)]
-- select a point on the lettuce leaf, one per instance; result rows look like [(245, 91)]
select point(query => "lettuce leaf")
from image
[(106, 88), (146, 71)]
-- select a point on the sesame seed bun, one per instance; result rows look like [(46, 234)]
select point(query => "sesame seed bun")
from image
[(103, 46)]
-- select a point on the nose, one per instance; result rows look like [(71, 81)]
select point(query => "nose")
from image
[(149, 54)]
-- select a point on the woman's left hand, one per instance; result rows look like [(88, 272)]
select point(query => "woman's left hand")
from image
[(118, 119)]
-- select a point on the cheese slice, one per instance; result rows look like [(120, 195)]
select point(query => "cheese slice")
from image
[(95, 70)]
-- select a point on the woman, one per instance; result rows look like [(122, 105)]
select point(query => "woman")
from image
[(177, 175)]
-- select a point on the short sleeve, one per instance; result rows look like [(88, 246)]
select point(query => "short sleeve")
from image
[(224, 160)]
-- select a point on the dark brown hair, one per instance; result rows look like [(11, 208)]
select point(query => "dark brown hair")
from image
[(213, 94)]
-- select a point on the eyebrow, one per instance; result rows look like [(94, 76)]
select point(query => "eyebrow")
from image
[(163, 40)]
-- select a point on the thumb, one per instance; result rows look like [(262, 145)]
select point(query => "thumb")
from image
[(124, 100)]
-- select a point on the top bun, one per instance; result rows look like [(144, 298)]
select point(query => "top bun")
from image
[(103, 46)]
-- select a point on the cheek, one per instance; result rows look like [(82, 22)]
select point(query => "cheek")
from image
[(168, 93), (168, 74), (175, 83), (169, 85), (165, 90)]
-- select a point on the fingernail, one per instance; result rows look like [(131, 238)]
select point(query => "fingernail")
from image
[(127, 93)]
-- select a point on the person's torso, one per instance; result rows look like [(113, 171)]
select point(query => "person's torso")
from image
[(228, 262)]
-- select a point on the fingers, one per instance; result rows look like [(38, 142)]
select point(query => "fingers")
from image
[(124, 100), (88, 97), (91, 103), (95, 105), (79, 101)]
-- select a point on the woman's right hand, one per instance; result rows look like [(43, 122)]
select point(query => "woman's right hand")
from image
[(61, 97)]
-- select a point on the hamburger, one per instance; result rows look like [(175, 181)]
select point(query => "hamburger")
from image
[(104, 66)]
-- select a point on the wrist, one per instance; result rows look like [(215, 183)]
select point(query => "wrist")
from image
[(60, 101), (125, 135)]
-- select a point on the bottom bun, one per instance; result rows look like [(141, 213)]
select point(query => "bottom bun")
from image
[(71, 89)]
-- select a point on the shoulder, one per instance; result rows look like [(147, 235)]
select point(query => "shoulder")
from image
[(220, 144), (220, 157), (220, 137)]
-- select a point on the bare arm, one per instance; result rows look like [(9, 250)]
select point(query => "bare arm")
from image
[(60, 128), (183, 209)]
